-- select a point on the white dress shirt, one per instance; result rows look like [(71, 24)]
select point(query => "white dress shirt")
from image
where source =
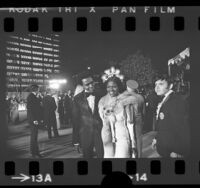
[(161, 103), (91, 100)]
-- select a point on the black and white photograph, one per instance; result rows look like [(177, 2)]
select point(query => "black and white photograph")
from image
[(94, 90)]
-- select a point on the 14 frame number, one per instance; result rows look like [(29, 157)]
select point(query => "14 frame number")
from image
[(139, 177)]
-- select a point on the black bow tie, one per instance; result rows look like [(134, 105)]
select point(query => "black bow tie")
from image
[(88, 94)]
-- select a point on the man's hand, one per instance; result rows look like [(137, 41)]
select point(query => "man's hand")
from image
[(153, 144), (35, 122)]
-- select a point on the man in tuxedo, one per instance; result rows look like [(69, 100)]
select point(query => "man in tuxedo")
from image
[(49, 107), (173, 131), (87, 124), (34, 114)]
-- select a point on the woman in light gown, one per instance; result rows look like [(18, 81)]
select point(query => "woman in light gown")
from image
[(118, 140)]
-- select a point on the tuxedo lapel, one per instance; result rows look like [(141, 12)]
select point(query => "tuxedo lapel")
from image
[(96, 104), (85, 102), (168, 97)]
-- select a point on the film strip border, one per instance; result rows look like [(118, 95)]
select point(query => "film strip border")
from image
[(145, 171), (130, 23)]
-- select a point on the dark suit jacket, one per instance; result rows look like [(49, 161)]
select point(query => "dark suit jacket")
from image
[(173, 128), (49, 107), (34, 108), (85, 123)]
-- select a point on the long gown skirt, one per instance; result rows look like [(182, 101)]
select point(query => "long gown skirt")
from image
[(119, 149)]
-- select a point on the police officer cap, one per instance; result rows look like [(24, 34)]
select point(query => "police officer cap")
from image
[(132, 84)]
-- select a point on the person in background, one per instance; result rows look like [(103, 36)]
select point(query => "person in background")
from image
[(8, 108), (56, 98), (61, 108), (139, 114), (172, 126), (34, 115), (68, 107), (14, 102), (49, 108)]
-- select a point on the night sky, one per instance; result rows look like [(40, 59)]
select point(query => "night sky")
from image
[(80, 51), (96, 48)]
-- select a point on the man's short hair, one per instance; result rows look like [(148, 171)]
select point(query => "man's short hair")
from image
[(34, 87), (169, 79), (87, 80)]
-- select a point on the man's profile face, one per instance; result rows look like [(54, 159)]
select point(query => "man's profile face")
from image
[(88, 87), (162, 87)]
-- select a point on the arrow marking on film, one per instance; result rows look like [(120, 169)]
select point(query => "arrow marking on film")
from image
[(22, 177)]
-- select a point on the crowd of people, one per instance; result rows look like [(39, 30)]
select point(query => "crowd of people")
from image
[(12, 104), (111, 125), (48, 111)]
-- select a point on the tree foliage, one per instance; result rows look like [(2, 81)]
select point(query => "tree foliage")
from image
[(138, 67)]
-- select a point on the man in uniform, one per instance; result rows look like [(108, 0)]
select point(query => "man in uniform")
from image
[(139, 114)]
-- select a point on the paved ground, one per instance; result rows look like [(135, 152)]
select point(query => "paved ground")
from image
[(61, 147)]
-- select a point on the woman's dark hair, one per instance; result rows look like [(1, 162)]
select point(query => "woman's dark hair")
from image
[(117, 81)]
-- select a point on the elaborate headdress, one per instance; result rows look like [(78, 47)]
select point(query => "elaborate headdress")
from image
[(111, 73)]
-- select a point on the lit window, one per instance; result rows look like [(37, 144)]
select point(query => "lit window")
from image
[(47, 54), (37, 47), (26, 39), (25, 63), (12, 49), (56, 66), (37, 58), (25, 51), (35, 41), (56, 60), (25, 45), (55, 45), (48, 49), (9, 60)]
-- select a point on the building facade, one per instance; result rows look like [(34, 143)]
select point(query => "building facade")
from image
[(31, 59)]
